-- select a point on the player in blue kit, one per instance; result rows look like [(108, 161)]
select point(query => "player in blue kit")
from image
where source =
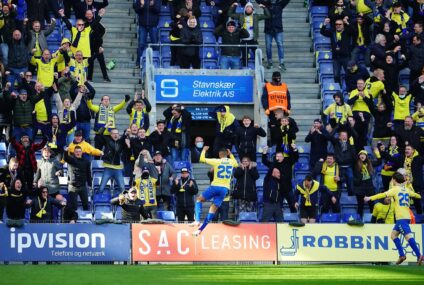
[(223, 172)]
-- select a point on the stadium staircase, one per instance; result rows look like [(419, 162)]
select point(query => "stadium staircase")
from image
[(300, 74), (120, 44)]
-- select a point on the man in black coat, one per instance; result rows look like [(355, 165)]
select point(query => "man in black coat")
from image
[(410, 134), (246, 135), (285, 167), (178, 124), (413, 165), (318, 137), (191, 35), (184, 189), (245, 190), (79, 175), (341, 42), (132, 206)]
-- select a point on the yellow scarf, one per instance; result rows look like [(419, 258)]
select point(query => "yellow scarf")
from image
[(324, 169), (360, 39), (365, 172), (308, 192), (42, 209), (408, 165), (338, 36)]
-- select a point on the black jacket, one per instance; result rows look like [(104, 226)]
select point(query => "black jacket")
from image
[(38, 10), (340, 48), (18, 54), (36, 207), (231, 39), (131, 209), (79, 173), (285, 168), (112, 149), (161, 141), (191, 36), (343, 158), (16, 206), (319, 144), (274, 24), (417, 174), (83, 113), (246, 138), (416, 57), (411, 136), (184, 198), (182, 138), (246, 184), (272, 189), (81, 7)]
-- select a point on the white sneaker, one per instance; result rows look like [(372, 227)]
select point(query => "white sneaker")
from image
[(194, 224), (196, 233)]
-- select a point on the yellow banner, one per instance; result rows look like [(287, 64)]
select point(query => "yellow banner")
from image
[(341, 242)]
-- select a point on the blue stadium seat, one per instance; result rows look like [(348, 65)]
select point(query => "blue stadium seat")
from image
[(260, 182), (165, 10), (96, 166), (178, 165), (291, 217), (248, 217), (351, 217), (84, 216), (321, 43), (164, 37), (164, 23), (330, 218), (325, 71), (302, 164), (118, 214), (166, 215), (318, 11), (300, 176), (210, 64), (206, 24), (102, 198), (3, 148), (103, 215), (316, 26), (260, 195), (348, 200), (3, 162), (262, 169), (323, 57), (205, 9), (209, 38), (208, 53), (55, 37), (367, 218), (304, 149), (327, 101)]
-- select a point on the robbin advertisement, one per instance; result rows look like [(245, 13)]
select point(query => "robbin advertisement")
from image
[(59, 242)]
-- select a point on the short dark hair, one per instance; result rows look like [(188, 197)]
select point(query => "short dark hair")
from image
[(308, 178), (77, 147), (398, 177), (330, 154)]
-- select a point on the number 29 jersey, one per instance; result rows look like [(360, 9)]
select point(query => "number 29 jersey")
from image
[(222, 170)]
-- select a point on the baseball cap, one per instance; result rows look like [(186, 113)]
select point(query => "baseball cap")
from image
[(158, 152), (184, 169), (318, 120), (78, 133), (145, 169)]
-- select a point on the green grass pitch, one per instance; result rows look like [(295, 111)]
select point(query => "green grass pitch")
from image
[(208, 274)]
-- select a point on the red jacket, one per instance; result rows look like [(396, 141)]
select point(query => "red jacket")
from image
[(21, 152)]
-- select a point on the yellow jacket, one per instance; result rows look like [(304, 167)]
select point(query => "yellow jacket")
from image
[(45, 70), (86, 148), (107, 115)]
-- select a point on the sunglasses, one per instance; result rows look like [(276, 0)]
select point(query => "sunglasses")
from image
[(80, 24), (339, 24)]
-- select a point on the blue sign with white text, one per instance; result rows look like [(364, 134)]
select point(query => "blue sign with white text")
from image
[(60, 242), (206, 89)]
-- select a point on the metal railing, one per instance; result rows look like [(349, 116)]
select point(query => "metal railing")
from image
[(161, 46)]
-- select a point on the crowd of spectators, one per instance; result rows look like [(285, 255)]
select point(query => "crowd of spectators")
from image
[(373, 110)]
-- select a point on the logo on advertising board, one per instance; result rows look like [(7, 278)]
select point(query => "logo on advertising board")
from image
[(341, 243), (59, 242), (247, 242), (207, 89)]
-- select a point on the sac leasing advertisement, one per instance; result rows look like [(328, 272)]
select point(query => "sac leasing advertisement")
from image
[(174, 242), (341, 242), (205, 89), (59, 242)]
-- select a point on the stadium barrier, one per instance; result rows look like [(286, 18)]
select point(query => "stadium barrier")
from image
[(218, 243), (65, 242)]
